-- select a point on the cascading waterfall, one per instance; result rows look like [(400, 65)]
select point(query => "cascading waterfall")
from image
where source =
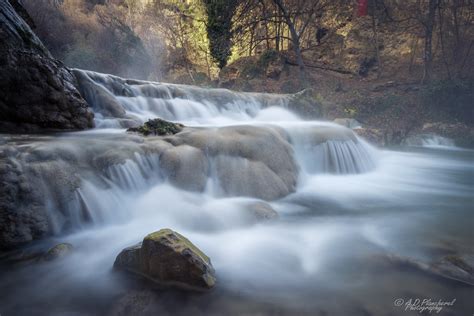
[(236, 144), (143, 100), (105, 189), (429, 140), (97, 183), (118, 102)]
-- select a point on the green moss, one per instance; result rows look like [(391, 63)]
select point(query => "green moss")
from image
[(58, 251), (157, 127), (350, 112), (178, 245)]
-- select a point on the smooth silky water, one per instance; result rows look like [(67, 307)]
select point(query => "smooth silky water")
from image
[(353, 205)]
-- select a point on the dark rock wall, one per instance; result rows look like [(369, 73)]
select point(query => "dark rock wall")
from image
[(36, 91)]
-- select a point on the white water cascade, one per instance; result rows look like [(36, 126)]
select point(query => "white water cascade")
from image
[(341, 202)]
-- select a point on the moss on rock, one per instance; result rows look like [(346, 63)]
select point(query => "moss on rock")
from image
[(157, 127), (58, 251), (168, 258), (178, 244)]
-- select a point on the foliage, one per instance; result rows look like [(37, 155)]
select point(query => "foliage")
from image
[(90, 36), (219, 28), (174, 32), (178, 39)]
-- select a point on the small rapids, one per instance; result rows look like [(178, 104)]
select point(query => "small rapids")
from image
[(343, 205)]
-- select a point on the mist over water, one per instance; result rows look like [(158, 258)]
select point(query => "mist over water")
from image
[(353, 203)]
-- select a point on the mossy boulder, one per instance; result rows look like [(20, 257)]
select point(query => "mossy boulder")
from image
[(58, 251), (168, 258), (157, 127)]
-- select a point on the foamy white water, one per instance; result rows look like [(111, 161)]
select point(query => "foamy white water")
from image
[(351, 203)]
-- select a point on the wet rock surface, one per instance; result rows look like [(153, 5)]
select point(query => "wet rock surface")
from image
[(262, 211), (41, 177), (246, 161), (36, 91), (373, 135), (138, 302), (57, 252), (461, 134), (454, 267), (157, 127), (168, 258), (45, 180)]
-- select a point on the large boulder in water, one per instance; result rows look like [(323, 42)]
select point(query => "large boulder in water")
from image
[(167, 257), (36, 90), (185, 167), (255, 161)]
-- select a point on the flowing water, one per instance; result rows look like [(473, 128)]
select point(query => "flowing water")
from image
[(353, 204)]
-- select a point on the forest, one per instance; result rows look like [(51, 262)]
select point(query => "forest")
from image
[(341, 49), (152, 39), (236, 157)]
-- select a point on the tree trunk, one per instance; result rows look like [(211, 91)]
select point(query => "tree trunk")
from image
[(441, 39), (295, 38), (429, 24), (295, 41), (376, 39), (277, 36)]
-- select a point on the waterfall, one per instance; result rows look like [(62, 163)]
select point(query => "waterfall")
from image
[(261, 190), (429, 140), (119, 103), (328, 148), (235, 145)]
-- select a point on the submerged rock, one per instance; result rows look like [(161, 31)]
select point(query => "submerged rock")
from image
[(461, 134), (36, 91), (58, 251), (453, 267), (157, 127), (134, 303), (186, 167), (428, 140), (373, 135), (262, 211), (254, 161), (167, 257)]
